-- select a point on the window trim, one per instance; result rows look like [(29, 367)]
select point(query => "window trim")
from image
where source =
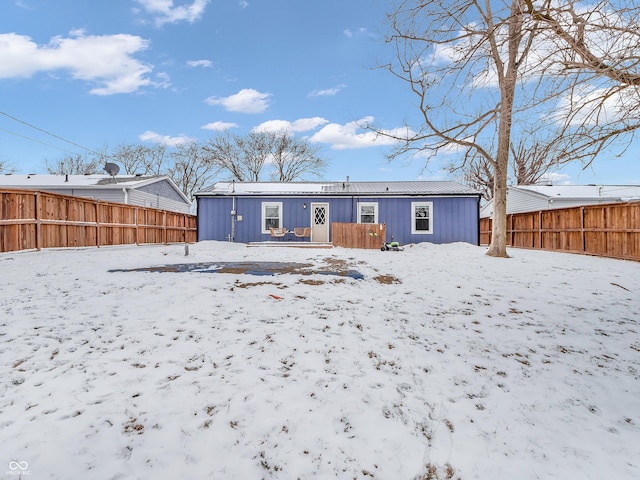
[(414, 231), (263, 217), (375, 212)]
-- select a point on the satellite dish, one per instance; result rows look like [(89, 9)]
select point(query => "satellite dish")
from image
[(112, 169)]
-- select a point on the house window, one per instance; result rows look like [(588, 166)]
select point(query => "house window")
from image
[(367, 213), (271, 216), (421, 218)]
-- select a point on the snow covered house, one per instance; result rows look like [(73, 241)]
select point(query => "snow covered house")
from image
[(533, 198), (430, 211), (157, 191)]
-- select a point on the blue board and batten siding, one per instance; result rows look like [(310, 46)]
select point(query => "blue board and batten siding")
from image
[(455, 218)]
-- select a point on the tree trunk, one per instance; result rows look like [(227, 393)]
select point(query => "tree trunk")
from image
[(498, 247)]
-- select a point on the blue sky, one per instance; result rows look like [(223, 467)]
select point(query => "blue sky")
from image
[(99, 74)]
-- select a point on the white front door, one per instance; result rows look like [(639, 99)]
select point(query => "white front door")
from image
[(320, 222)]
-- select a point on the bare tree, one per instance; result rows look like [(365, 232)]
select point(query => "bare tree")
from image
[(6, 167), (76, 165), (142, 159), (223, 151), (486, 73), (131, 157), (530, 161), (477, 172), (189, 165), (190, 169), (256, 149), (248, 158), (464, 61), (597, 56), (295, 158)]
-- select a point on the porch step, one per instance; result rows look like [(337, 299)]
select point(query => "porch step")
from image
[(290, 244)]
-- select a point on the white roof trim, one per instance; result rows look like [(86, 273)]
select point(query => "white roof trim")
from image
[(76, 182), (582, 192)]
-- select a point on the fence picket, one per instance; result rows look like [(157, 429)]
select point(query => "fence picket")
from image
[(605, 230), (35, 220)]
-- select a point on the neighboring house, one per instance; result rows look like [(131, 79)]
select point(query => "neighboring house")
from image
[(157, 191), (532, 198), (436, 212)]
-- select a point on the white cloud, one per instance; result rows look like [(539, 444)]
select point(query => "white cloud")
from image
[(23, 4), (352, 135), (200, 63), (164, 11), (359, 31), (243, 4), (554, 178), (246, 100), (153, 137), (592, 106), (102, 60), (162, 80), (218, 126), (300, 125), (549, 55), (329, 92)]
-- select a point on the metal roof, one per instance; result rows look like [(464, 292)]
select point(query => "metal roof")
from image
[(528, 198), (56, 183), (106, 181), (338, 188), (616, 192)]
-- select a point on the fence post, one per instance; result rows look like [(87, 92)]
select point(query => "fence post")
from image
[(135, 220), (584, 240), (540, 229), (164, 227), (97, 205), (533, 231), (38, 224), (605, 237), (512, 233)]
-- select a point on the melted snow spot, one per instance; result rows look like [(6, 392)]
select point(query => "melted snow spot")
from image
[(249, 268)]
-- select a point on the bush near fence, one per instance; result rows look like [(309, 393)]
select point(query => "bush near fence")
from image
[(34, 220), (606, 230), (358, 235)]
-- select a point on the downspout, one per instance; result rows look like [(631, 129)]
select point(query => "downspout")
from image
[(125, 191), (233, 211), (352, 209), (233, 218)]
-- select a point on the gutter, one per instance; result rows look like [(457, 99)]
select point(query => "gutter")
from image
[(334, 194)]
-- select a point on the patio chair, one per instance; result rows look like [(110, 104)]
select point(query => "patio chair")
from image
[(278, 232), (301, 232)]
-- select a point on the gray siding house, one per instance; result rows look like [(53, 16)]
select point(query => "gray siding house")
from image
[(157, 191), (436, 212), (533, 198)]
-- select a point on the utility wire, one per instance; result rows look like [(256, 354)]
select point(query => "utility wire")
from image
[(51, 134), (37, 141)]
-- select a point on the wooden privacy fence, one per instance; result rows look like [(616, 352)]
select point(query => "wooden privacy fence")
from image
[(35, 220), (358, 235), (609, 230)]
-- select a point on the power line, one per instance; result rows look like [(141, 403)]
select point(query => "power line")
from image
[(51, 134), (37, 141)]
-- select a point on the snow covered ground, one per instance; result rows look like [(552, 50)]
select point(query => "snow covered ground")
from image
[(440, 363)]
